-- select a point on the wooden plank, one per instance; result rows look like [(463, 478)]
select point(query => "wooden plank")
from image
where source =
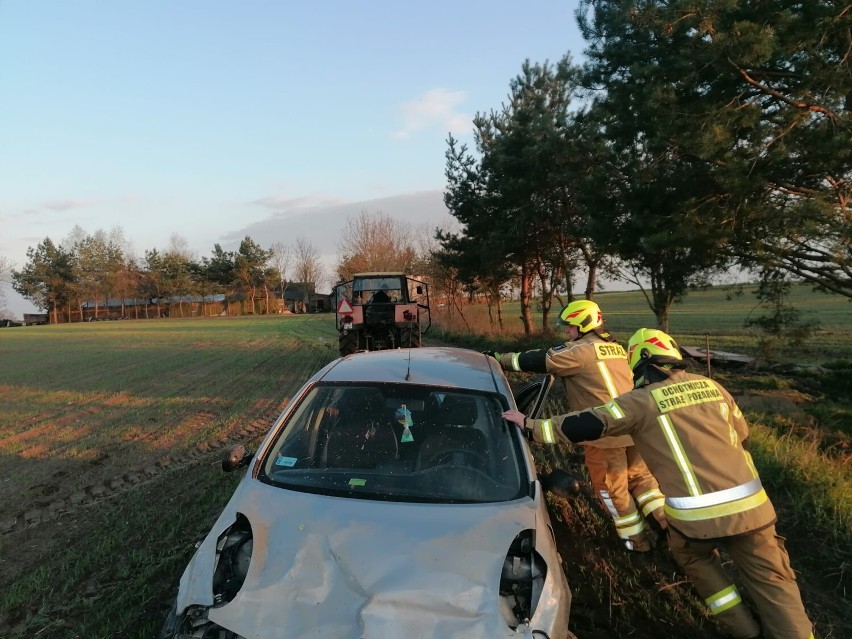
[(717, 356)]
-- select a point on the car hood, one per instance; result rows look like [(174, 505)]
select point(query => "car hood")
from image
[(344, 568)]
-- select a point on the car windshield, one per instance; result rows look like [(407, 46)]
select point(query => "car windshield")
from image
[(398, 443)]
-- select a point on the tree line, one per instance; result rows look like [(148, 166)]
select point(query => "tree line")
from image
[(100, 268), (698, 136)]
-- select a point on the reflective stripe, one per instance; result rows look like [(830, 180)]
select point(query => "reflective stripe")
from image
[(722, 510), (610, 384), (626, 533), (515, 364), (625, 520), (607, 500), (724, 600), (653, 505), (750, 463), (547, 432), (654, 493), (614, 409), (726, 415), (717, 497), (629, 525), (651, 500), (679, 455)]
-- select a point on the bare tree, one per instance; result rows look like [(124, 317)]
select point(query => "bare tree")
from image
[(178, 245), (75, 236), (5, 278), (375, 242), (281, 261), (307, 268), (126, 277)]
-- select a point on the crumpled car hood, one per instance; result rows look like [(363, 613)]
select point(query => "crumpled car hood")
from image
[(348, 568)]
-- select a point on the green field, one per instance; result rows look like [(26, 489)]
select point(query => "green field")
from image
[(111, 435), (718, 313)]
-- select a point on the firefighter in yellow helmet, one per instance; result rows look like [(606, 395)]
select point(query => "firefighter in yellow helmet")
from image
[(594, 370), (694, 438)]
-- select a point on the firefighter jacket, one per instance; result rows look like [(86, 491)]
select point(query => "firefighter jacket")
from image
[(593, 371), (690, 433)]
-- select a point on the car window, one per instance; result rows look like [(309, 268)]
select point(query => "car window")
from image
[(398, 442)]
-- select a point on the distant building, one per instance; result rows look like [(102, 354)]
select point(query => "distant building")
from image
[(301, 297)]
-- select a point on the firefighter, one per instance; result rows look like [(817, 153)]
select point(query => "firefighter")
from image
[(593, 368), (695, 441)]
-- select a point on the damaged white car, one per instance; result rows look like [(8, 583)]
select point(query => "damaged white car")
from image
[(390, 500)]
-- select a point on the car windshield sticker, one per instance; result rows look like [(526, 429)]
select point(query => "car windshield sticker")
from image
[(403, 416), (357, 482), (289, 462)]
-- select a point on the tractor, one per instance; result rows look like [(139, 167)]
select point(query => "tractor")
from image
[(378, 311)]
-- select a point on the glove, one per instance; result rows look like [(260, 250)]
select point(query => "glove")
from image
[(492, 354)]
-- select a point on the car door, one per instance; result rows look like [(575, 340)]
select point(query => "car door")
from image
[(530, 399)]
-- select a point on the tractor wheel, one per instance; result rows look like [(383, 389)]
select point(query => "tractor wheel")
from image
[(347, 343), (410, 337)]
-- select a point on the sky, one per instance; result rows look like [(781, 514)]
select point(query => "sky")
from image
[(215, 119)]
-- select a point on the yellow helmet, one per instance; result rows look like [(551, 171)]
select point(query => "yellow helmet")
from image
[(583, 314), (648, 345)]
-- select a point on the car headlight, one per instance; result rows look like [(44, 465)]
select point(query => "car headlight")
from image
[(233, 557), (522, 579)]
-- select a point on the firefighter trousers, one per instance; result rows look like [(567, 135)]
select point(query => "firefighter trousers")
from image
[(764, 564), (628, 492)]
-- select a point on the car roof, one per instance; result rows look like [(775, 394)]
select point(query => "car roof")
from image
[(428, 366)]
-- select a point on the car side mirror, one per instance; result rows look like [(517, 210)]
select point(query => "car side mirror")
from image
[(560, 483), (236, 457)]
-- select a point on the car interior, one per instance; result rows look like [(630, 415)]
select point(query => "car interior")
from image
[(455, 439), (414, 438)]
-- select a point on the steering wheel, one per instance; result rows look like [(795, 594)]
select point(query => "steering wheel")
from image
[(446, 454)]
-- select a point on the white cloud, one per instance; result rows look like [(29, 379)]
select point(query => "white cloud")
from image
[(323, 225), (284, 203), (437, 108), (68, 204)]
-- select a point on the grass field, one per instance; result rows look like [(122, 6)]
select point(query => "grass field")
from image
[(110, 438), (719, 312), (111, 435)]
